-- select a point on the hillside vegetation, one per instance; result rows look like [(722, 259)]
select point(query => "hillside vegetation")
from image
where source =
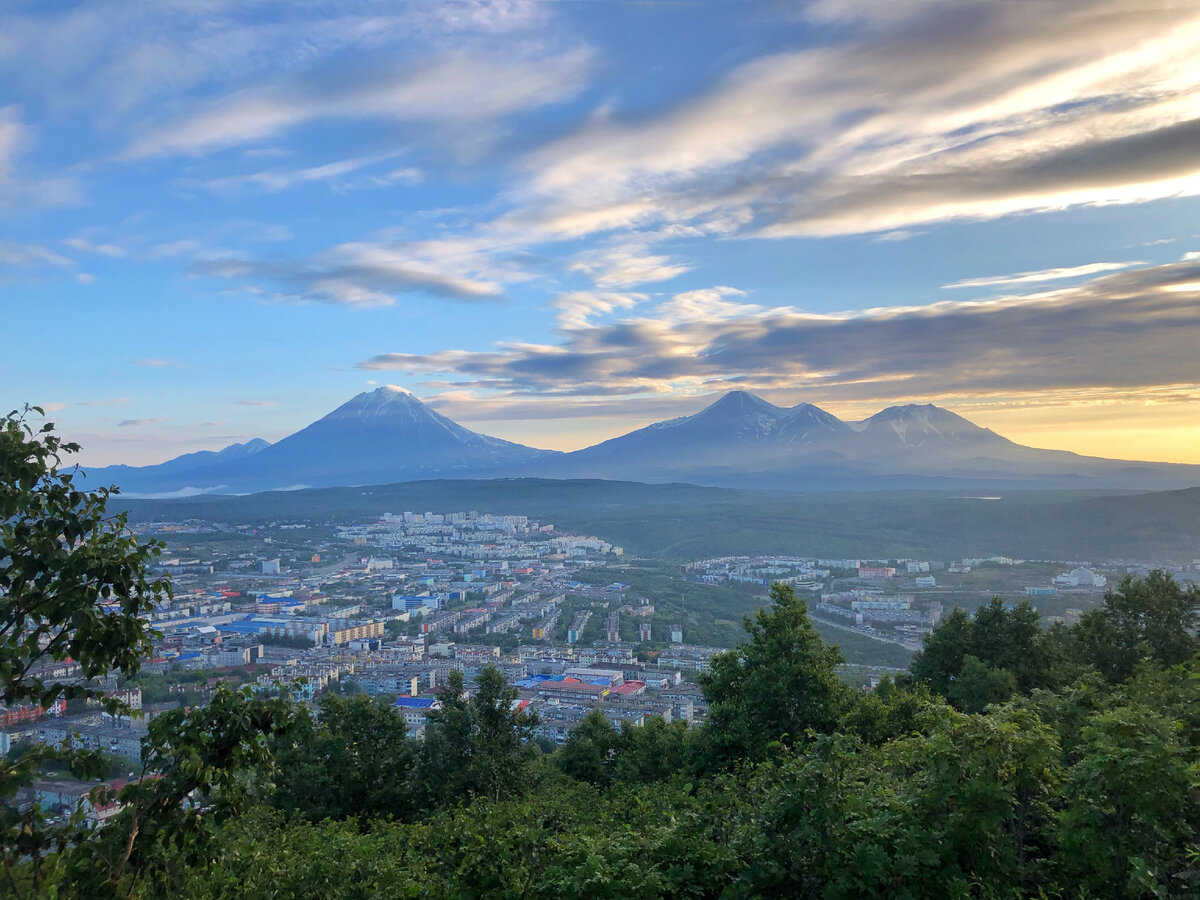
[(679, 521)]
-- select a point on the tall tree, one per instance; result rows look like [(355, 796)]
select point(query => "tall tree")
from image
[(773, 688), (478, 746), (73, 586), (1148, 619), (987, 657), (351, 760), (74, 590)]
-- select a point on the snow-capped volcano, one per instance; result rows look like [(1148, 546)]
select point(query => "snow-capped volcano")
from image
[(388, 435), (915, 426), (739, 430), (376, 437)]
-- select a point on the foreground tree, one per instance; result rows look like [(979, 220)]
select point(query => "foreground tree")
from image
[(774, 688), (73, 585), (74, 588), (475, 747), (353, 759), (974, 661), (1151, 620)]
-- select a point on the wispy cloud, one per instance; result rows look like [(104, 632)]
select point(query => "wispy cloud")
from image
[(1043, 275), (115, 401), (576, 309), (939, 111), (137, 423), (370, 273), (17, 184), (21, 255), (466, 90), (85, 246), (275, 180), (256, 402), (628, 264), (1077, 337)]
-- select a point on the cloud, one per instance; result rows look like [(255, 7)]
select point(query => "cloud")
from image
[(157, 363), (371, 273), (626, 265), (1126, 331), (277, 180), (936, 111), (256, 402), (456, 90), (1043, 275), (172, 249), (137, 423), (576, 309), (31, 256), (891, 237), (705, 305), (124, 57), (115, 401), (17, 185), (85, 246)]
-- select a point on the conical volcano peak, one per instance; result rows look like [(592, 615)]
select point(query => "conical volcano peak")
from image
[(925, 425), (742, 403), (923, 414), (388, 400)]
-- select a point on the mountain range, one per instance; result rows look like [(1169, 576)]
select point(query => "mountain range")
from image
[(388, 435)]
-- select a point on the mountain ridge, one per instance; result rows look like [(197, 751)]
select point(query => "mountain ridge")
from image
[(739, 440)]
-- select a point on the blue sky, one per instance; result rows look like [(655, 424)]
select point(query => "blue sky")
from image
[(559, 221)]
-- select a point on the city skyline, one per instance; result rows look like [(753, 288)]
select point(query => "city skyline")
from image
[(559, 222)]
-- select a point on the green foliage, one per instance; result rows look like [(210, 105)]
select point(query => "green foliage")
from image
[(978, 685), (199, 769), (600, 754), (774, 688), (1132, 808), (481, 746), (921, 817), (1143, 620), (590, 750), (297, 641), (974, 662), (74, 584), (566, 840), (351, 760), (890, 712)]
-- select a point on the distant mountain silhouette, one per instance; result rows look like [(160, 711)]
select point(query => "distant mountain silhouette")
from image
[(741, 440), (377, 437)]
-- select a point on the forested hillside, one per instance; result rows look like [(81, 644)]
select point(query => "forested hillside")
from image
[(676, 521)]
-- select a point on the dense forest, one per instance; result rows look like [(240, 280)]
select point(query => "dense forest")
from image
[(1012, 761)]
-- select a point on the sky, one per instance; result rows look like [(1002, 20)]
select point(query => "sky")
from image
[(559, 221)]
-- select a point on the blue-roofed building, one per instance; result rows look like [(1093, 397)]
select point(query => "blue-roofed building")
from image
[(532, 681), (415, 702), (415, 712)]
